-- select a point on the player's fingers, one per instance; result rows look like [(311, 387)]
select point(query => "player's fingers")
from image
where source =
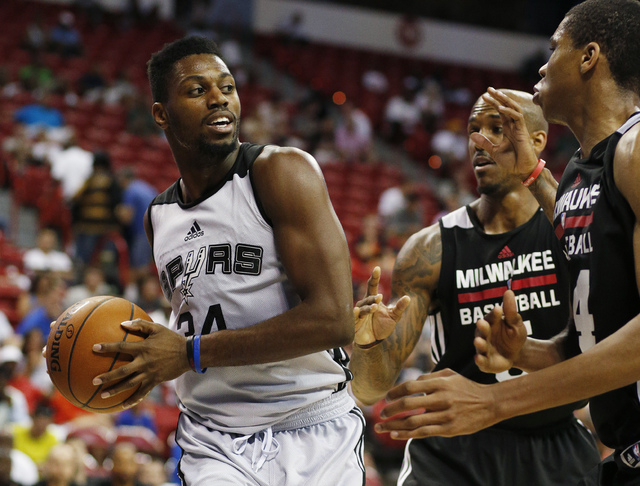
[(139, 325), (415, 404), (509, 305), (137, 397), (482, 142), (371, 299), (400, 307), (372, 283), (123, 386)]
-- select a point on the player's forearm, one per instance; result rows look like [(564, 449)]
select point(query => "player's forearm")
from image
[(611, 364), (544, 189), (374, 373), (302, 330), (537, 354)]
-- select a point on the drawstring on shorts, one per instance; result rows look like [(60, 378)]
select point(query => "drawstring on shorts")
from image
[(260, 454)]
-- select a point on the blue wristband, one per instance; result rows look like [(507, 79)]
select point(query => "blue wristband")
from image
[(196, 354)]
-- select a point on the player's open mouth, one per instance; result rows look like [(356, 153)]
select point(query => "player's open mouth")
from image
[(220, 123)]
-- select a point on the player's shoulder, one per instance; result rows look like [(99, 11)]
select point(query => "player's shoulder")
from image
[(274, 157), (427, 241)]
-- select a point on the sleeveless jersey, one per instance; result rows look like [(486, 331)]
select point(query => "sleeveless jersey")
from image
[(219, 267), (477, 269), (595, 224)]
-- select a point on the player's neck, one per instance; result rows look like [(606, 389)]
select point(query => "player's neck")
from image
[(601, 115), (502, 214)]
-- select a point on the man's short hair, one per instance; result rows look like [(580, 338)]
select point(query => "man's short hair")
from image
[(615, 26), (161, 63)]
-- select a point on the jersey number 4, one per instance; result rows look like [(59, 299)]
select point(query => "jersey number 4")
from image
[(213, 316), (583, 319)]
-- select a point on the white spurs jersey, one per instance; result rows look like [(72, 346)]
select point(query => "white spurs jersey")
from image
[(219, 268)]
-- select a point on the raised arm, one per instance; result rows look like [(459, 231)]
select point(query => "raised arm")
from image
[(415, 274)]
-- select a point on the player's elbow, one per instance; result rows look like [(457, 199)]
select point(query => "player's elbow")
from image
[(340, 327)]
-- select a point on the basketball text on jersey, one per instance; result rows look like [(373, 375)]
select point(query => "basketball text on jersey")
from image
[(578, 199), (473, 305)]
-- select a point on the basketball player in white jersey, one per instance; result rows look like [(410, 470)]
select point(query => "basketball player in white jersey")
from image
[(255, 264)]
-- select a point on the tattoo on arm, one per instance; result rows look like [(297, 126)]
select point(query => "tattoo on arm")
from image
[(416, 274)]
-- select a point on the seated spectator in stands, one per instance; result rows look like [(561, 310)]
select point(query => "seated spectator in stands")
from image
[(21, 469), (401, 116), (14, 408), (136, 197), (152, 473), (41, 115), (38, 438), (292, 30), (139, 119), (71, 166), (374, 80), (36, 76), (33, 368), (430, 99), (149, 296), (119, 89), (49, 305), (91, 84), (35, 34), (125, 467), (60, 466), (371, 241), (353, 134), (6, 329), (141, 415), (406, 221), (46, 256), (93, 283), (64, 38), (393, 200), (450, 142), (94, 208)]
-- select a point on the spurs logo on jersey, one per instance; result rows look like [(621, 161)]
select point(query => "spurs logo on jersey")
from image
[(193, 267), (247, 261)]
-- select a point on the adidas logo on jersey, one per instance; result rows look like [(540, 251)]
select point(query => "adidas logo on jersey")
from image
[(576, 182), (505, 253), (194, 232)]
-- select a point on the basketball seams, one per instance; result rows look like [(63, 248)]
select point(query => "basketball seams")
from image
[(87, 403)]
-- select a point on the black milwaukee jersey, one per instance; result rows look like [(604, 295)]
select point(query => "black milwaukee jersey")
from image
[(477, 268), (595, 223)]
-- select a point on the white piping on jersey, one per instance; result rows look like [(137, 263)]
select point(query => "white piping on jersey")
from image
[(260, 454), (437, 336), (459, 217), (635, 118), (406, 469)]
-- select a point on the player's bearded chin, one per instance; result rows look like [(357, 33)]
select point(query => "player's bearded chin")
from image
[(219, 149)]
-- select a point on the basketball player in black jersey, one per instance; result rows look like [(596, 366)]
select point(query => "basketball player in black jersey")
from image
[(591, 83), (454, 272)]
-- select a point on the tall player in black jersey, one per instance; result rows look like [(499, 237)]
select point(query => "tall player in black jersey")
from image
[(454, 272), (256, 266), (591, 83)]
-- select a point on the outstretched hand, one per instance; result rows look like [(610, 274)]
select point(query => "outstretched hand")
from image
[(161, 356), (516, 136), (500, 337), (443, 404), (374, 320)]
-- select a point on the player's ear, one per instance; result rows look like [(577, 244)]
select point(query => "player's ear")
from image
[(590, 55), (539, 141), (160, 115)]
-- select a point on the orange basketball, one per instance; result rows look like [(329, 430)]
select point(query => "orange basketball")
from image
[(71, 361)]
